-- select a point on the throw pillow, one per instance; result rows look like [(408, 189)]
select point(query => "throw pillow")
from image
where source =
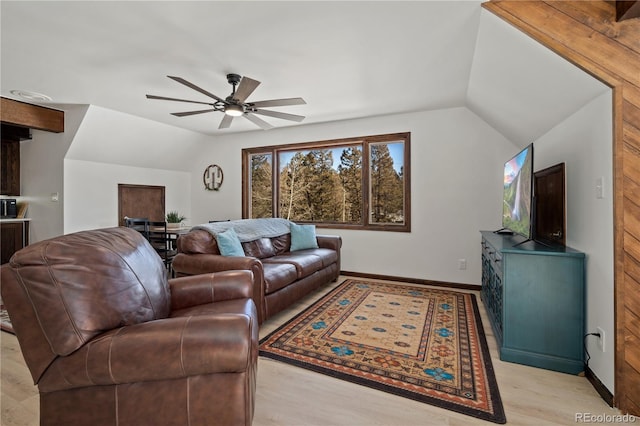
[(303, 237), (229, 244)]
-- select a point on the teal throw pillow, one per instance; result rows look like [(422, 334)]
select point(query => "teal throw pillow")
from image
[(229, 244), (303, 237)]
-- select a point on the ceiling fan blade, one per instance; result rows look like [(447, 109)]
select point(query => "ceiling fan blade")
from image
[(258, 121), (278, 102), (164, 98), (184, 114), (194, 87), (278, 114), (226, 121), (245, 88)]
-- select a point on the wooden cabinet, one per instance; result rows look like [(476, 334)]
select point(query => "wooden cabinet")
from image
[(14, 235), (17, 118), (535, 299), (10, 168)]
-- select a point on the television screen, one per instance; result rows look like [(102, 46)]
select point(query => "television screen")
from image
[(518, 193)]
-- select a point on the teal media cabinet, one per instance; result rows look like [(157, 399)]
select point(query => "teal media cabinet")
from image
[(535, 299)]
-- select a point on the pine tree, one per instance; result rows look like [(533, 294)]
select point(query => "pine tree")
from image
[(386, 187), (350, 171), (292, 188), (309, 187), (261, 186)]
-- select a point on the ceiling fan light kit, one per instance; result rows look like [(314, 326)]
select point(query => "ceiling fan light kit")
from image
[(236, 105), (234, 110)]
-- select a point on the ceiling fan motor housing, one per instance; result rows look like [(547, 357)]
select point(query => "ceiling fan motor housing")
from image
[(233, 79)]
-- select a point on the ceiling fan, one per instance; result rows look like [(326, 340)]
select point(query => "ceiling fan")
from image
[(235, 105)]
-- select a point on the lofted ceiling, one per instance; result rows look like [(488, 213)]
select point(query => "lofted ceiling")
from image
[(346, 59)]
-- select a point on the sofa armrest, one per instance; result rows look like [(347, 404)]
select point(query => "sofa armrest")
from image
[(164, 349), (333, 242), (195, 264), (208, 288)]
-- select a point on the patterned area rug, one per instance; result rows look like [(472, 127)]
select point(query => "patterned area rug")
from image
[(5, 321), (417, 342)]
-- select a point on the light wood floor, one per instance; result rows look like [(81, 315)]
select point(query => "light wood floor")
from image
[(288, 395)]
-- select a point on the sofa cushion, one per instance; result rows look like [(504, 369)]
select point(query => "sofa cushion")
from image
[(282, 243), (306, 264), (327, 256), (259, 248), (303, 237), (229, 244), (278, 275)]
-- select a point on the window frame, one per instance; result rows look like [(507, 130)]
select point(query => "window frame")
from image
[(365, 142)]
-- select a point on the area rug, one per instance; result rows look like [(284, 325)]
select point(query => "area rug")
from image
[(5, 321), (420, 343)]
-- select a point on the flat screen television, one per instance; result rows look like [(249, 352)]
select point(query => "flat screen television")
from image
[(517, 200)]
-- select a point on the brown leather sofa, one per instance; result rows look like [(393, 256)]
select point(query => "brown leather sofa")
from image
[(281, 276), (110, 341)]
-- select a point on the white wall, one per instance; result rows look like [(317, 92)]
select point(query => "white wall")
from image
[(456, 175), (91, 191), (584, 142), (112, 147), (41, 175)]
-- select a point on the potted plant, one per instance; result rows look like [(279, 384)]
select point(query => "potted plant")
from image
[(174, 219)]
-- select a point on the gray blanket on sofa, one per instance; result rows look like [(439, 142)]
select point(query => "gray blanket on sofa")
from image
[(249, 229)]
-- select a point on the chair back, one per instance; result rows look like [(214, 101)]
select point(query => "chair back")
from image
[(140, 224), (61, 293), (161, 241)]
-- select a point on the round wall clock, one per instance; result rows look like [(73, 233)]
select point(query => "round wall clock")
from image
[(212, 177)]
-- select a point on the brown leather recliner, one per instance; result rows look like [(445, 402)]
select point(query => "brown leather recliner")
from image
[(110, 341)]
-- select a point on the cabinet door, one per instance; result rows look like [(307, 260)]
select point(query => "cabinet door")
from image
[(140, 201), (544, 305), (12, 240), (10, 172)]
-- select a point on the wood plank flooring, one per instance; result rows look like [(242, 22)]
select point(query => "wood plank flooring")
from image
[(288, 395)]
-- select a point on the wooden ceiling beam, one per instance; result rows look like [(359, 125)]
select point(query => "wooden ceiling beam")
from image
[(32, 116)]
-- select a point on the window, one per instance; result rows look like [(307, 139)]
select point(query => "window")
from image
[(346, 183)]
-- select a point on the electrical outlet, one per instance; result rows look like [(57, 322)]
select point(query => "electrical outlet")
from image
[(600, 187), (462, 264), (601, 339)]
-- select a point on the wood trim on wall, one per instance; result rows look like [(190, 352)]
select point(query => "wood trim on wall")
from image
[(587, 35), (461, 286)]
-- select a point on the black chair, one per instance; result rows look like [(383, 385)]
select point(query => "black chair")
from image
[(161, 241), (137, 223)]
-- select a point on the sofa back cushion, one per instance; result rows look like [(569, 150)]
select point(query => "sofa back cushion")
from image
[(198, 241), (281, 244), (260, 248), (83, 284)]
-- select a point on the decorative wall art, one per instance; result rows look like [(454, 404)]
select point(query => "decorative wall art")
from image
[(212, 177)]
